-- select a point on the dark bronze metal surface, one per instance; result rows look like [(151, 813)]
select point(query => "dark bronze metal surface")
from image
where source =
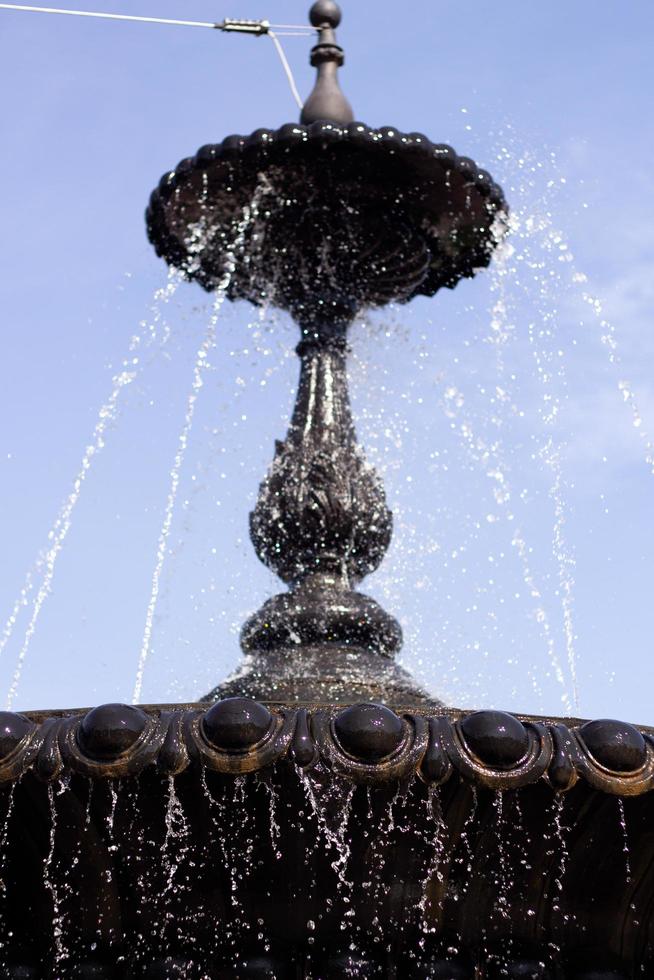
[(111, 730), (321, 522), (322, 509), (249, 840), (367, 742), (354, 216), (326, 101), (349, 217)]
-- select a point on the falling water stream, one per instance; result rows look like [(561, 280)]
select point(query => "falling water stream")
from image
[(489, 456), (182, 444), (51, 884), (107, 416), (225, 839), (249, 215), (548, 363)]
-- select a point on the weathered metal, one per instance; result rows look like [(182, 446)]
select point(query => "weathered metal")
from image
[(326, 100), (367, 742), (321, 522), (249, 840), (350, 217)]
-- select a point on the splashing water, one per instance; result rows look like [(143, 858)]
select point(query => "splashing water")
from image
[(609, 341), (547, 363), (625, 839), (485, 425), (560, 831), (175, 850), (4, 839), (108, 414), (21, 602), (198, 872), (468, 855), (186, 534), (434, 869), (5, 832), (111, 814), (51, 885), (198, 233), (489, 456), (273, 802), (554, 242), (162, 544), (235, 842), (503, 880), (334, 833)]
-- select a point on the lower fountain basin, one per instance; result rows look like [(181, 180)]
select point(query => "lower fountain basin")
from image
[(254, 840)]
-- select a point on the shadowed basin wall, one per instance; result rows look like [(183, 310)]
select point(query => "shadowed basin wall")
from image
[(252, 840)]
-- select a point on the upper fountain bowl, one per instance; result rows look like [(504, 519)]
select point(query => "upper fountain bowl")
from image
[(346, 217)]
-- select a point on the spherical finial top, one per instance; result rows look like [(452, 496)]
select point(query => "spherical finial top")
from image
[(325, 13)]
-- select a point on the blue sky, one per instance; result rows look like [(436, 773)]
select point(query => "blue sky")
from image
[(524, 499)]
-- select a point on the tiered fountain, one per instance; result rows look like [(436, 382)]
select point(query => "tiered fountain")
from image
[(318, 815)]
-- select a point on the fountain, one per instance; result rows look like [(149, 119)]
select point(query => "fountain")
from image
[(318, 814)]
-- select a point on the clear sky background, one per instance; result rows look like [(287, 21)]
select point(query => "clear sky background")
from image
[(501, 414)]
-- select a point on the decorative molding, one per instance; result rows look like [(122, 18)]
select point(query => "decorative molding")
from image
[(419, 217), (367, 743)]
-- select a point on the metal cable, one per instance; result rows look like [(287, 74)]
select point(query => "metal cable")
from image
[(235, 26), (287, 68), (295, 27), (90, 13), (231, 26)]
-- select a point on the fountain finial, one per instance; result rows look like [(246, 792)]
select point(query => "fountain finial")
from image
[(326, 102)]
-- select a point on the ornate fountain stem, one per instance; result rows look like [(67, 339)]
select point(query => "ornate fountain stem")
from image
[(322, 524), (322, 403), (322, 509)]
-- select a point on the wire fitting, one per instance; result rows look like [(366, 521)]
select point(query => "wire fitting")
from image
[(232, 25)]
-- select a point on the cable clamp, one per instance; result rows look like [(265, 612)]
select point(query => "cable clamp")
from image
[(244, 26)]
